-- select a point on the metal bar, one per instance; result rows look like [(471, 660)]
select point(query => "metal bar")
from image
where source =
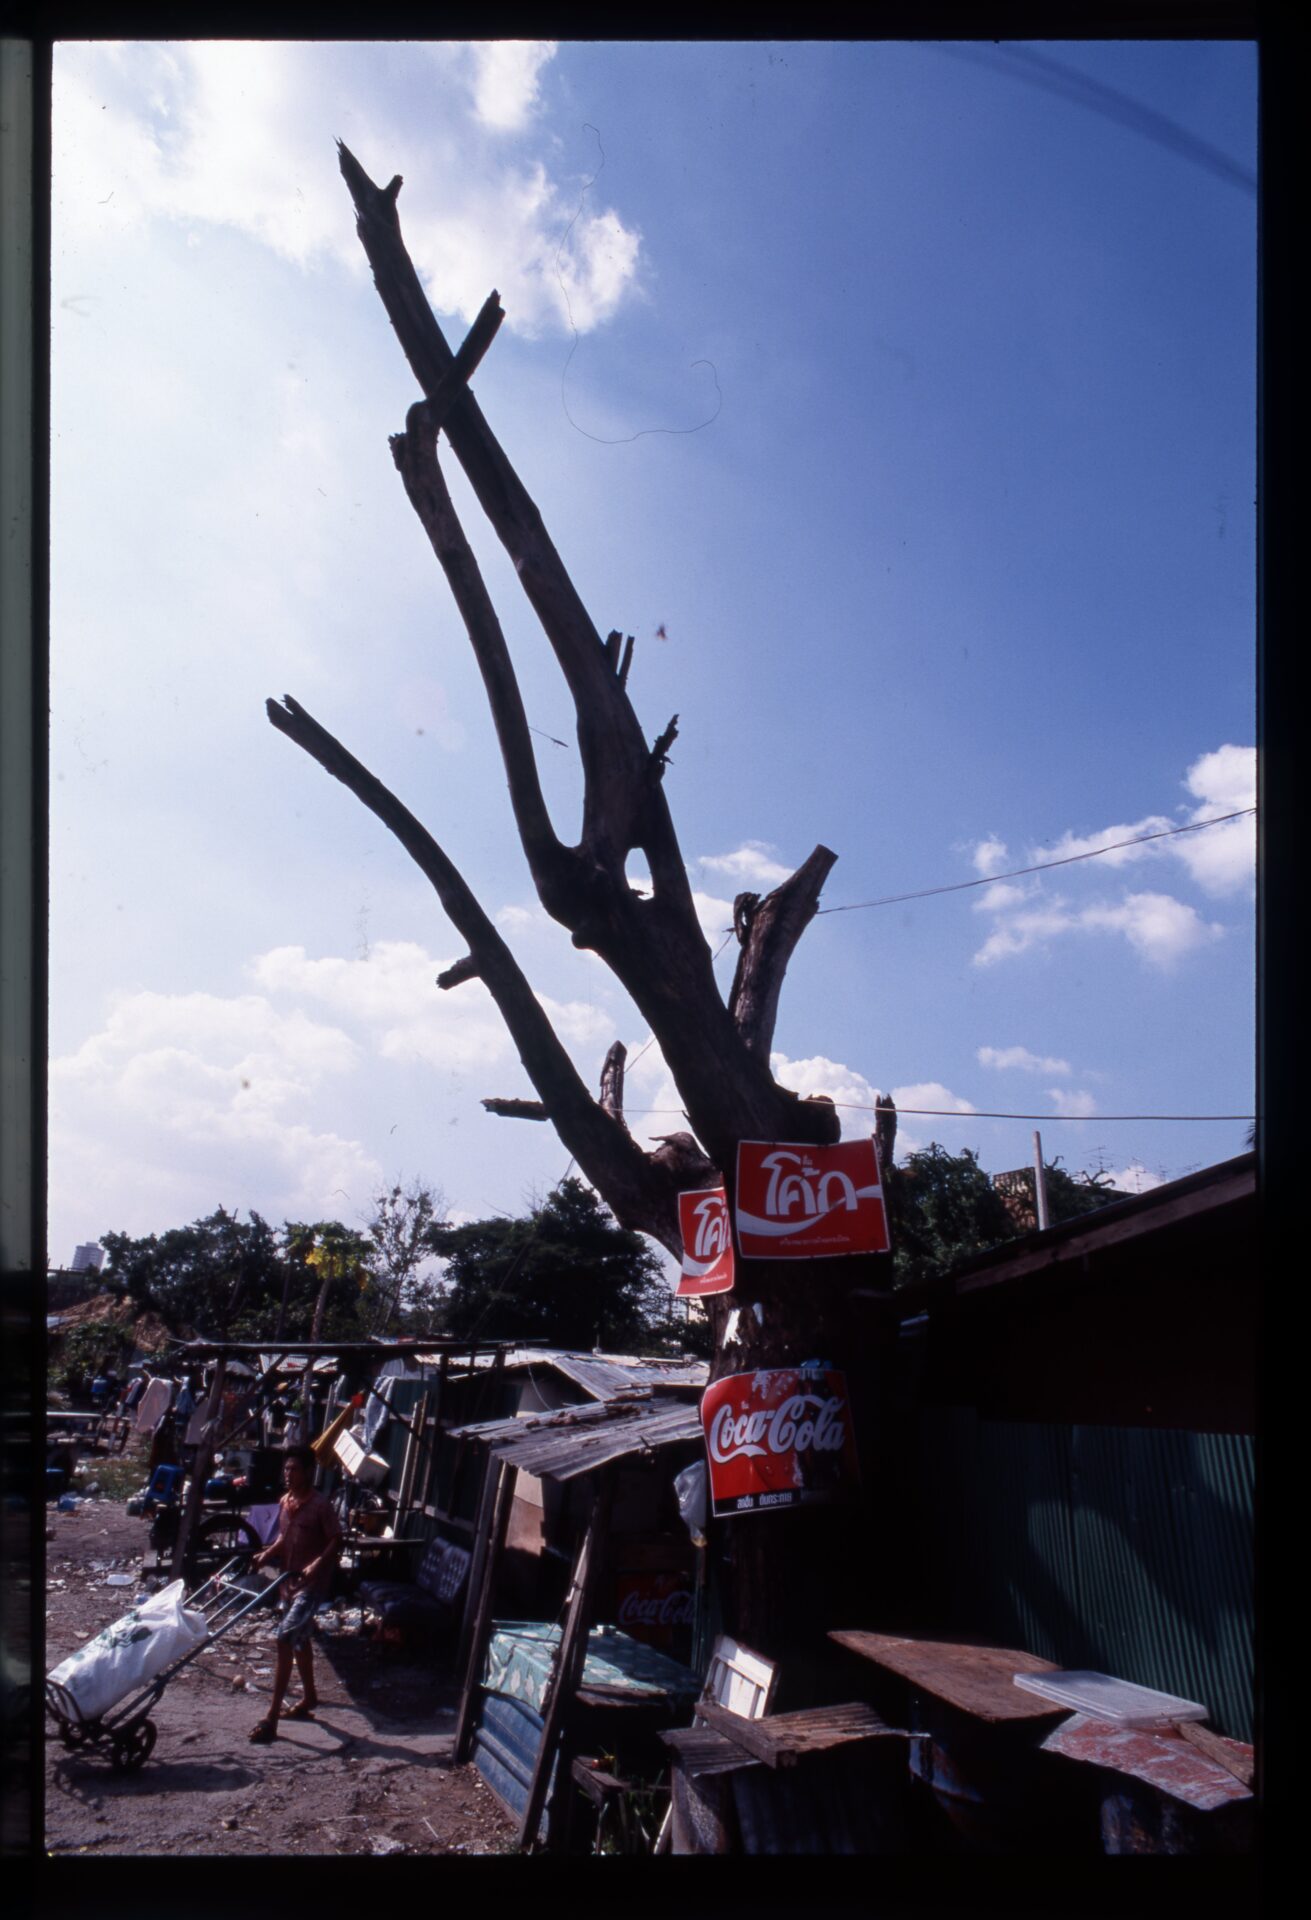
[(505, 1483)]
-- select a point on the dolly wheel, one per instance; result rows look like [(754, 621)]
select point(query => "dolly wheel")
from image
[(132, 1750)]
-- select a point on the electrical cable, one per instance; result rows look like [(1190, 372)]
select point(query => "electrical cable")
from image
[(1042, 866)]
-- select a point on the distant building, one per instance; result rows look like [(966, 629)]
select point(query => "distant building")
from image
[(89, 1258), (1015, 1190)]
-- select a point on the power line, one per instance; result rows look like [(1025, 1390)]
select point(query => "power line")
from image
[(980, 1113), (1042, 866)]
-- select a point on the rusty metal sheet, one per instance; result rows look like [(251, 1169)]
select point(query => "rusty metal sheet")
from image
[(559, 1446), (1162, 1759), (975, 1676), (779, 1739)]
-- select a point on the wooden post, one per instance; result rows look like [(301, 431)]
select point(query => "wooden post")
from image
[(482, 1533), (200, 1468), (1039, 1185), (570, 1655), (505, 1476)]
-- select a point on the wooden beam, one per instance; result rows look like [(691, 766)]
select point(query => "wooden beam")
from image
[(482, 1619), (200, 1468), (571, 1654)]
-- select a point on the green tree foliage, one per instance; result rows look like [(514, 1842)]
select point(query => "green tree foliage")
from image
[(945, 1209), (567, 1275), (406, 1294), (207, 1275), (229, 1279)]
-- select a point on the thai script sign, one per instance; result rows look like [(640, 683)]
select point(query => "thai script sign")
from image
[(809, 1203), (707, 1241), (778, 1439)]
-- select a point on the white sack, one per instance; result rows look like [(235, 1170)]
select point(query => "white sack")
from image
[(131, 1651)]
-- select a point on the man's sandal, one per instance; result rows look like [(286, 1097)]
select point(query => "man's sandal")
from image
[(303, 1710), (264, 1734)]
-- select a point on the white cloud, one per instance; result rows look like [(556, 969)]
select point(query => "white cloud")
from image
[(751, 862), (715, 916), (1001, 897), (393, 995), (240, 134), (1073, 1104), (846, 1086), (1223, 859), (931, 1094), (505, 80), (1005, 1057), (1159, 927), (579, 1021), (990, 856), (1072, 845), (184, 1102), (1135, 1178), (1024, 930)]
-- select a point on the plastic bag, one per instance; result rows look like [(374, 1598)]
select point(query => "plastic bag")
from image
[(690, 1486), (131, 1651)]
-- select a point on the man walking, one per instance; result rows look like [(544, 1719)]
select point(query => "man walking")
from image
[(307, 1544)]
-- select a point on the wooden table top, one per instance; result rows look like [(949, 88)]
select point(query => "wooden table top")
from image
[(974, 1675)]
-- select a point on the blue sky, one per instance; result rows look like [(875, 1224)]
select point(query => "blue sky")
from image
[(911, 398)]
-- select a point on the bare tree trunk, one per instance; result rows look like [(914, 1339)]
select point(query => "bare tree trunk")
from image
[(718, 1053)]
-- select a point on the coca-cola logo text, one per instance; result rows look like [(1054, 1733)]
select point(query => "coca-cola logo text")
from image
[(656, 1610), (802, 1421)]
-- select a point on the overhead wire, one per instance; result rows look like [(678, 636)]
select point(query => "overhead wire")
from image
[(1041, 866)]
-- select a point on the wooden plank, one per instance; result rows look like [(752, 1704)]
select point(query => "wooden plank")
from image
[(701, 1750), (478, 1634), (202, 1463), (570, 1655), (780, 1739), (975, 1676), (1235, 1756)]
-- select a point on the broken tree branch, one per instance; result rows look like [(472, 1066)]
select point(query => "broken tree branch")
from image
[(517, 1109), (555, 869), (612, 1082), (769, 930), (601, 1145), (619, 811), (456, 975)]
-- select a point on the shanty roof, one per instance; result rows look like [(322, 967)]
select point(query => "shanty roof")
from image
[(602, 1375), (574, 1440)]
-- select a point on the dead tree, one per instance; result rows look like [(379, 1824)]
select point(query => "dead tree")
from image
[(717, 1053)]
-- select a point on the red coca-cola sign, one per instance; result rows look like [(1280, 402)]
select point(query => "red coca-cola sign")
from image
[(652, 1605), (796, 1202), (779, 1438), (707, 1241)]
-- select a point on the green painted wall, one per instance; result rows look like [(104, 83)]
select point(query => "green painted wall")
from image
[(1128, 1550)]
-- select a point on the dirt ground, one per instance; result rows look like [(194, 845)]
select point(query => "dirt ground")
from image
[(372, 1774)]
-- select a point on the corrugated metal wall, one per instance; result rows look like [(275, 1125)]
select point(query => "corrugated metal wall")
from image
[(1129, 1550)]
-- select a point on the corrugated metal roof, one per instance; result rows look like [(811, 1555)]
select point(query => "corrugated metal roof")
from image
[(600, 1375), (560, 1446)]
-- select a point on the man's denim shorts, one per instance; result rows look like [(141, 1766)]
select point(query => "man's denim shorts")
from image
[(294, 1626)]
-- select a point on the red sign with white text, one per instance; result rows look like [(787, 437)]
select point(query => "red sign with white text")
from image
[(809, 1203), (652, 1606), (707, 1241), (780, 1438)]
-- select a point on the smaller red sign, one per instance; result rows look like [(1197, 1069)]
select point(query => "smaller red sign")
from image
[(707, 1241), (796, 1202), (780, 1438), (652, 1606)]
